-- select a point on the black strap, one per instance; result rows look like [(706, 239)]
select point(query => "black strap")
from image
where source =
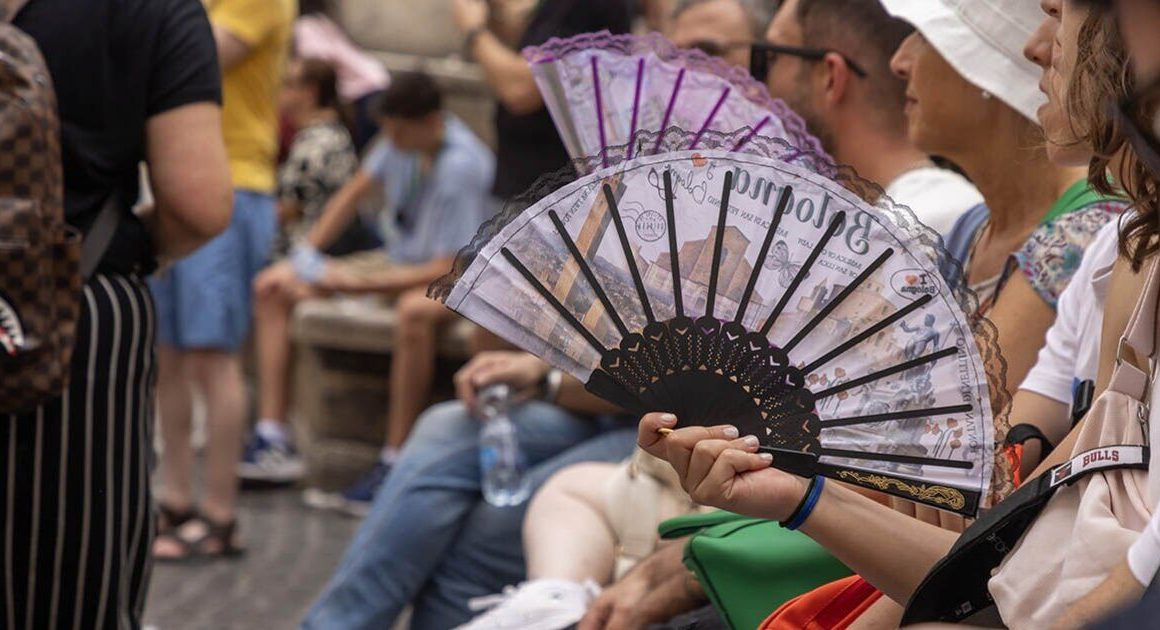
[(1020, 433), (1082, 399), (957, 586), (100, 236)]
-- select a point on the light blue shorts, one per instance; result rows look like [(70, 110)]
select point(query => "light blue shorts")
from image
[(204, 300)]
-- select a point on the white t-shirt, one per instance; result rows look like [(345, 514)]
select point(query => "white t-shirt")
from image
[(1144, 554), (1071, 351), (937, 196)]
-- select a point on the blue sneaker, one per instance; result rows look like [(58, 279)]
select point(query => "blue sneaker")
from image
[(270, 462), (357, 499)]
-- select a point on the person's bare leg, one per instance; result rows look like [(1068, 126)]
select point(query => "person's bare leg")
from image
[(566, 535), (175, 423), (220, 376), (272, 312), (412, 362)]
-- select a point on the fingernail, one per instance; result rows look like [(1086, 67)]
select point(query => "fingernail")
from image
[(732, 432), (751, 441), (766, 457), (668, 418)]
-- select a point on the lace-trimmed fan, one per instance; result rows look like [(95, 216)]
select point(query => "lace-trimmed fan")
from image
[(604, 89), (731, 288)]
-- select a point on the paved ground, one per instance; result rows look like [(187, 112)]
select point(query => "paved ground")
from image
[(292, 551)]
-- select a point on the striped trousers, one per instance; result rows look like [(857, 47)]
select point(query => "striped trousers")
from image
[(75, 507)]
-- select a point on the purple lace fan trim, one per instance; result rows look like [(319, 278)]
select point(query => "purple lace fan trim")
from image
[(691, 59)]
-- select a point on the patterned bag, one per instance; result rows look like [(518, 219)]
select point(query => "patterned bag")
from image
[(40, 255)]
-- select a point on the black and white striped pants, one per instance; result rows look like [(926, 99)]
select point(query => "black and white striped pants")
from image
[(75, 505)]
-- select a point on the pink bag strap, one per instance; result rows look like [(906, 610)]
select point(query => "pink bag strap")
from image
[(1140, 336)]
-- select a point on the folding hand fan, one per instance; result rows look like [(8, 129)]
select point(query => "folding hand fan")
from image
[(603, 89), (733, 288)]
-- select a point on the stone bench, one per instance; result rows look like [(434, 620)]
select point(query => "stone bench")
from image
[(340, 383)]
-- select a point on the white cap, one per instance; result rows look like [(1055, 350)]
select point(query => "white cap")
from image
[(983, 40)]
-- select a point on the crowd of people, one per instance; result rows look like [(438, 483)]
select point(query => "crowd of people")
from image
[(284, 164)]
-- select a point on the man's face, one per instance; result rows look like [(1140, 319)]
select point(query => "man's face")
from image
[(412, 135), (789, 76), (719, 27)]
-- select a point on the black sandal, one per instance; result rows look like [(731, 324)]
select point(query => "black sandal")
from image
[(169, 521), (214, 540)]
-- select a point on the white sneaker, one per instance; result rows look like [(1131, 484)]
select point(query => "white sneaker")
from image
[(270, 462), (536, 605)]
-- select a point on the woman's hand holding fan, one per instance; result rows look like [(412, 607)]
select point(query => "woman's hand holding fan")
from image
[(719, 469)]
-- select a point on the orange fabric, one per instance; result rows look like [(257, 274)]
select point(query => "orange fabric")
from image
[(1014, 454), (831, 607)]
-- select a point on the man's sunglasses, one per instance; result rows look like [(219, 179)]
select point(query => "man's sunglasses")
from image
[(763, 55)]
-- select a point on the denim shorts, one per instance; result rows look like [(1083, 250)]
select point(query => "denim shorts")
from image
[(204, 300)]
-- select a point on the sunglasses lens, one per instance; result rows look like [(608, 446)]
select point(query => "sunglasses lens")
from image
[(713, 49), (759, 62)]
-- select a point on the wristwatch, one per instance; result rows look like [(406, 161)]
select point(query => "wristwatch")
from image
[(550, 386)]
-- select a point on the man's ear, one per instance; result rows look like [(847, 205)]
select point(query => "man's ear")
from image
[(837, 79)]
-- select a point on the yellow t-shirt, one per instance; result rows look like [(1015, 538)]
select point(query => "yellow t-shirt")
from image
[(250, 89)]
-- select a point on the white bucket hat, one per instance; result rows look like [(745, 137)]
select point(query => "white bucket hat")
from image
[(983, 40)]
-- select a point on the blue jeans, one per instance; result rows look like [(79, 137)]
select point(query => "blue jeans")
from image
[(430, 538)]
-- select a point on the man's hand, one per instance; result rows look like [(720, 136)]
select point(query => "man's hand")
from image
[(520, 370), (719, 469), (278, 278), (657, 589), (469, 14), (617, 607)]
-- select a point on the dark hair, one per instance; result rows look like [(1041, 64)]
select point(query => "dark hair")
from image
[(321, 75), (310, 7), (868, 35), (411, 96), (1101, 79)]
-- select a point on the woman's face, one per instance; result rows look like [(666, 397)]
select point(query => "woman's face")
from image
[(1055, 47), (945, 113)]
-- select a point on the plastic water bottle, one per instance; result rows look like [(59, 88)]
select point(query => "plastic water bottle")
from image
[(500, 460)]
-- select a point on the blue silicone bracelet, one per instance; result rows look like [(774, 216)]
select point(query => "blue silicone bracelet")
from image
[(812, 495)]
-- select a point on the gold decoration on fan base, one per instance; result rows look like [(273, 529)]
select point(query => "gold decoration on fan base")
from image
[(937, 495)]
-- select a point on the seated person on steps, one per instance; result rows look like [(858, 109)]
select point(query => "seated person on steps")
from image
[(434, 175)]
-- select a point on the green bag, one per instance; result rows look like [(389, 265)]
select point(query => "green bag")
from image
[(749, 566)]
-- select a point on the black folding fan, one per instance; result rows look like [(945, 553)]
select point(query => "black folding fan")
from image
[(730, 288)]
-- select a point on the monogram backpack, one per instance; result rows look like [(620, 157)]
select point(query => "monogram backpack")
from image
[(42, 266)]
